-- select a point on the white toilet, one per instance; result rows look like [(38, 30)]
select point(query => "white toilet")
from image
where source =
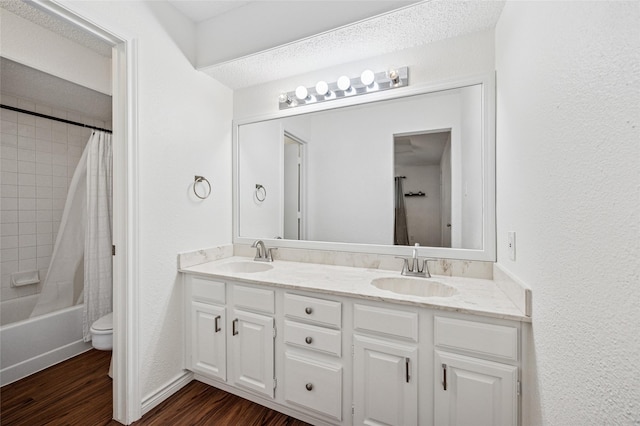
[(102, 333)]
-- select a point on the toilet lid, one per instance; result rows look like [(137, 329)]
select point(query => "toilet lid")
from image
[(104, 323)]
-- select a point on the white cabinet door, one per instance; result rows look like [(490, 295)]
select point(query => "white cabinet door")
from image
[(252, 347), (477, 392), (385, 386), (208, 344)]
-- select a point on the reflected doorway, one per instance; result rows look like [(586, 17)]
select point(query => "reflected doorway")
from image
[(422, 161), (292, 187)]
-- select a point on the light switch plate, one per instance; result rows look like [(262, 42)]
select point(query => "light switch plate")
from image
[(512, 245)]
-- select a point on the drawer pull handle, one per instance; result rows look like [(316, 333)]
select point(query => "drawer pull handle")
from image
[(444, 371), (309, 340), (308, 310), (406, 369), (234, 329), (217, 325), (309, 386)]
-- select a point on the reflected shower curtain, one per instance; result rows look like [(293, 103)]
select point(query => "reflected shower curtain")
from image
[(400, 232), (98, 278)]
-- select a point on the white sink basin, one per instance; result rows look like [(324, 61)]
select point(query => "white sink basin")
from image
[(420, 287), (244, 267)]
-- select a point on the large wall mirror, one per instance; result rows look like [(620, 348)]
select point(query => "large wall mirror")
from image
[(373, 175)]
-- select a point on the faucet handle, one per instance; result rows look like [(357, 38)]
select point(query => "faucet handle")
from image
[(270, 253), (425, 266), (405, 264)]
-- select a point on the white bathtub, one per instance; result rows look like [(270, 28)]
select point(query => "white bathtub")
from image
[(33, 344)]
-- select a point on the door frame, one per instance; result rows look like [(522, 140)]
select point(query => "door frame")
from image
[(127, 401)]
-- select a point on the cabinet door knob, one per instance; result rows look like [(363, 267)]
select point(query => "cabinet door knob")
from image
[(234, 329), (308, 339), (217, 325), (308, 310), (309, 386)]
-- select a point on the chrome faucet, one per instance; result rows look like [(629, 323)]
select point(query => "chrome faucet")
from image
[(415, 269), (263, 254)]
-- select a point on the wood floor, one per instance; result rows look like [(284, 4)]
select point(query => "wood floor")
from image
[(78, 392)]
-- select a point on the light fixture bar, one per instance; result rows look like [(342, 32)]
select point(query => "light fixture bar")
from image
[(345, 87)]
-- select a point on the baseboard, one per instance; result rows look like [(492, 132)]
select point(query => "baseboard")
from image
[(156, 398), (38, 363)]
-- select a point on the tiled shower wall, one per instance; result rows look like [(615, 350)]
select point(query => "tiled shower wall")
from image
[(38, 159)]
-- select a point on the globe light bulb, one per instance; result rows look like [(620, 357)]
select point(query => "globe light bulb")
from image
[(302, 93), (322, 88), (344, 83), (367, 77)]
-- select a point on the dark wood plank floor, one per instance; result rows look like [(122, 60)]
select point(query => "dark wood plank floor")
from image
[(78, 392)]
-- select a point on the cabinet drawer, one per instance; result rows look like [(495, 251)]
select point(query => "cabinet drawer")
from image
[(484, 339), (312, 337), (207, 291), (254, 299), (314, 385), (320, 311), (386, 321)]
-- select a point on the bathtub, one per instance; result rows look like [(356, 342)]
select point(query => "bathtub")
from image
[(28, 345)]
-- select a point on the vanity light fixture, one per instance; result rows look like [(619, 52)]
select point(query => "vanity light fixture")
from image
[(367, 82)]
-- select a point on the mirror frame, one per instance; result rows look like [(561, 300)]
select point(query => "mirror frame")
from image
[(487, 253)]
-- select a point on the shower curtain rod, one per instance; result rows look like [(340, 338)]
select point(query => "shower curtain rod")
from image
[(62, 120)]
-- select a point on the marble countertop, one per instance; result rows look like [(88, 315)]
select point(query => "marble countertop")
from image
[(474, 296)]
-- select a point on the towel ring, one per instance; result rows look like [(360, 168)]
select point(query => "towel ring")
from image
[(261, 192), (198, 179)]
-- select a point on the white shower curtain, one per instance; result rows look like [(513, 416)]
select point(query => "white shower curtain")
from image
[(98, 280), (84, 232)]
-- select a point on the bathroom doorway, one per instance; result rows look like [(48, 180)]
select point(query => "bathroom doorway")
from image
[(126, 392)]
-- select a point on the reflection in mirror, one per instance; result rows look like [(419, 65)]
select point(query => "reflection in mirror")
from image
[(422, 164), (292, 192), (330, 174)]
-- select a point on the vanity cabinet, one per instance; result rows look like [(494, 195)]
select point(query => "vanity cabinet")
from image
[(470, 387), (333, 360), (385, 379)]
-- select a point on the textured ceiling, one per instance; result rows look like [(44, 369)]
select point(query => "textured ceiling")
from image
[(408, 27), (56, 25), (200, 10), (25, 82)]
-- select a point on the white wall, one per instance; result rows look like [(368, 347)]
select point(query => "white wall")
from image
[(568, 180), (184, 129), (40, 48)]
